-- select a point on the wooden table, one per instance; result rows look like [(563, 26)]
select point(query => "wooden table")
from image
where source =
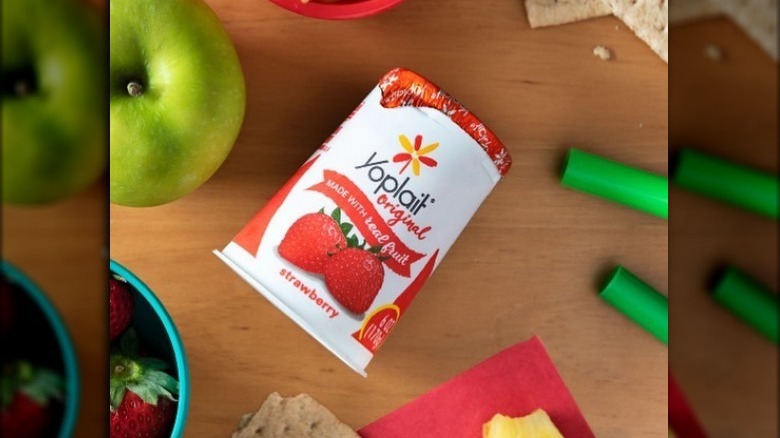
[(528, 263), (62, 248), (726, 108)]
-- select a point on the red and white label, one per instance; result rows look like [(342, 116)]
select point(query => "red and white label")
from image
[(348, 242)]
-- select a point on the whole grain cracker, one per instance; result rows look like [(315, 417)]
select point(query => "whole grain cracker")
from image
[(758, 18), (687, 10), (552, 12), (244, 420), (292, 417), (648, 19)]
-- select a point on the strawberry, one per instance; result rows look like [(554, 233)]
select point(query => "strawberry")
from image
[(143, 402), (27, 396), (135, 417), (312, 238), (120, 306), (354, 276)]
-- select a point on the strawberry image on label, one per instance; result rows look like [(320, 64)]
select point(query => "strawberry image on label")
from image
[(348, 242), (354, 277), (320, 244), (311, 240)]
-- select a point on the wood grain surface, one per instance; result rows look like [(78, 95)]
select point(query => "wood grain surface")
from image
[(62, 248), (726, 108), (528, 263)]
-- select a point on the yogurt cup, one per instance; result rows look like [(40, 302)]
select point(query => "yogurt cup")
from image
[(348, 242)]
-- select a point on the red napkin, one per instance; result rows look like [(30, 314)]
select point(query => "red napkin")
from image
[(682, 420), (514, 382)]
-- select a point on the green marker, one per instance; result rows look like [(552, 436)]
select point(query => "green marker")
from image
[(638, 301), (729, 182), (616, 182), (748, 300)]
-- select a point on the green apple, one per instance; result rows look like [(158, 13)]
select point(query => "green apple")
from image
[(53, 99), (177, 98)]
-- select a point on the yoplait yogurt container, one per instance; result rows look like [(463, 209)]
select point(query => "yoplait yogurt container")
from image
[(348, 242)]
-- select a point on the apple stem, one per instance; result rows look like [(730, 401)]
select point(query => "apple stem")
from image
[(22, 88), (135, 89)]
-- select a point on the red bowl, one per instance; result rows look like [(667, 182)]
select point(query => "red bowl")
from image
[(342, 10)]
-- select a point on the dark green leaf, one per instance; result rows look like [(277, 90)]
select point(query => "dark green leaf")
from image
[(336, 215), (375, 249), (163, 380), (35, 394), (352, 241), (50, 382), (129, 343), (43, 386), (346, 227), (7, 390), (322, 210), (147, 393), (150, 363), (117, 393)]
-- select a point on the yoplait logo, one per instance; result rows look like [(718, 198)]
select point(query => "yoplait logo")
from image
[(415, 155)]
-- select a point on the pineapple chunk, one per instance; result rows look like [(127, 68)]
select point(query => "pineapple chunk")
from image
[(534, 425)]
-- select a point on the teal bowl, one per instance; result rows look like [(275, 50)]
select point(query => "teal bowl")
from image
[(67, 351), (159, 335)]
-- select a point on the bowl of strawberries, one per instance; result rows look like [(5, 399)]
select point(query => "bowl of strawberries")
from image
[(39, 377), (148, 373)]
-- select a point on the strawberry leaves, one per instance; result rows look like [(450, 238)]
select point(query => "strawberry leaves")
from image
[(116, 394), (128, 344), (144, 376), (43, 386), (346, 228), (353, 241), (39, 384)]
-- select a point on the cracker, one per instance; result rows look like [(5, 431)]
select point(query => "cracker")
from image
[(687, 10), (244, 421), (552, 12), (293, 417), (649, 19), (758, 18), (602, 53)]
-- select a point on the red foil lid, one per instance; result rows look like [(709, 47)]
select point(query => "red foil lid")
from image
[(402, 87)]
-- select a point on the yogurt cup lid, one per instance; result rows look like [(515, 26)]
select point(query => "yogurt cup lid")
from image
[(403, 87)]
